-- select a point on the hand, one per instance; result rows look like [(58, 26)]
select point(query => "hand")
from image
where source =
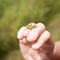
[(36, 43)]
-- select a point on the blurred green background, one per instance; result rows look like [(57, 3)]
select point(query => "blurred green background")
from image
[(16, 13)]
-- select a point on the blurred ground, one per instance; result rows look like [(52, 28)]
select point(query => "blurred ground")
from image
[(16, 13)]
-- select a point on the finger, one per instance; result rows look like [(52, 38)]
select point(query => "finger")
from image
[(42, 39), (23, 41), (35, 54), (34, 33), (29, 58), (25, 32), (19, 34)]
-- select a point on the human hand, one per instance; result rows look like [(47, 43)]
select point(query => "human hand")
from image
[(36, 43)]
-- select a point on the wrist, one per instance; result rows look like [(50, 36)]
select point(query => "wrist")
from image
[(56, 52)]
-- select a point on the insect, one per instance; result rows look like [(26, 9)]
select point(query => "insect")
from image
[(30, 26)]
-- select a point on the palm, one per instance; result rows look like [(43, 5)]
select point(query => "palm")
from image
[(27, 50)]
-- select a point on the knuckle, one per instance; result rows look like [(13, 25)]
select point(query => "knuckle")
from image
[(23, 28), (48, 33), (41, 25), (19, 34)]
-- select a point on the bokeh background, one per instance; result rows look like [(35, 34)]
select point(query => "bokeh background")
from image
[(16, 13)]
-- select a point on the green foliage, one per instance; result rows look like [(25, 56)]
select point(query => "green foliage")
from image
[(16, 13)]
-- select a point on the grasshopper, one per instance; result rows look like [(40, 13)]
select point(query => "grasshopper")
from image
[(30, 26)]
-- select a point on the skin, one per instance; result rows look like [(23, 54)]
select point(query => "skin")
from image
[(36, 43), (56, 55)]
